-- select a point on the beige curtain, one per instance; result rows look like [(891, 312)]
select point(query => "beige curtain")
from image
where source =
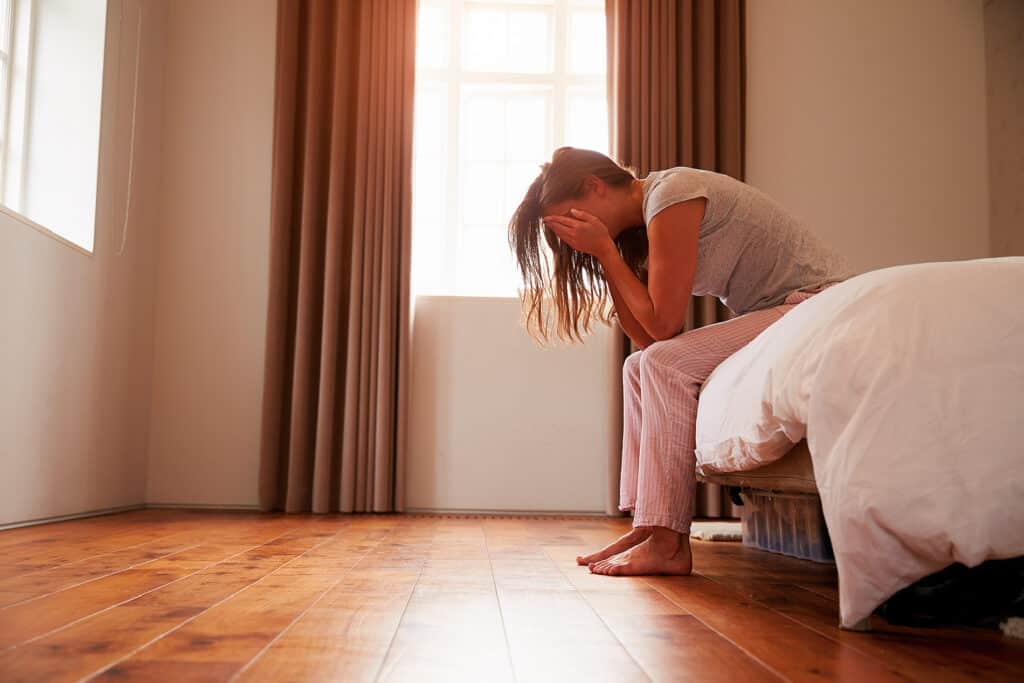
[(675, 93), (338, 314)]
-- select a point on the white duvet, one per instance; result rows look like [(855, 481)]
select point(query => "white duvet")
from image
[(908, 383)]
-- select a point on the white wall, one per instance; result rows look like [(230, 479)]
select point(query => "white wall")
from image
[(498, 423), (1004, 59), (76, 328), (213, 253), (867, 119)]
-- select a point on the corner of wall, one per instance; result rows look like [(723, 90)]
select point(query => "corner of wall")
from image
[(156, 11)]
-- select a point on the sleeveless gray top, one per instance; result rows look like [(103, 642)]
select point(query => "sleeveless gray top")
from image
[(751, 252)]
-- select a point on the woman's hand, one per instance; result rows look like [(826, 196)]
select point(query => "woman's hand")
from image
[(585, 232)]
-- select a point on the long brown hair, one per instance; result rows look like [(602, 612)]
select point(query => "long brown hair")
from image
[(574, 283)]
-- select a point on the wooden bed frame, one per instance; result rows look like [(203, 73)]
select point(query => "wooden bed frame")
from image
[(780, 507)]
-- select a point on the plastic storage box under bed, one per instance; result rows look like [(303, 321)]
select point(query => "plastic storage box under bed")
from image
[(790, 524)]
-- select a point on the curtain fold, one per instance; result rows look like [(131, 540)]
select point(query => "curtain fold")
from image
[(676, 79), (338, 318)]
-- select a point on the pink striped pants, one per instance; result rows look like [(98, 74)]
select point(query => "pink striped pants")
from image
[(660, 389)]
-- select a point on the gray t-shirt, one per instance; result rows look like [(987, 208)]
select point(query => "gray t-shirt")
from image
[(751, 252)]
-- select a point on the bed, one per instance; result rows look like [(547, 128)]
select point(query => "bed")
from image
[(905, 387)]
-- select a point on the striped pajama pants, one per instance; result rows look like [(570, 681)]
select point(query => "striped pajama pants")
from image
[(660, 389)]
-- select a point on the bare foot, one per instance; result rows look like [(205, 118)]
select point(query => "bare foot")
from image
[(663, 552), (627, 540)]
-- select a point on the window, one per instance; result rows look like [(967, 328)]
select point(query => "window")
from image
[(499, 86), (51, 78)]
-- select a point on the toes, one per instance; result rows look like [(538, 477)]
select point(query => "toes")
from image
[(592, 557)]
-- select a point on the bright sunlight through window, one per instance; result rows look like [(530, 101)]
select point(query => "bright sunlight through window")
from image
[(499, 86)]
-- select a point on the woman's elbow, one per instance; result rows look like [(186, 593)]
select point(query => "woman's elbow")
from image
[(663, 330)]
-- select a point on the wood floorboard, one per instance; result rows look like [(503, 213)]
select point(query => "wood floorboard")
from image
[(915, 652), (221, 640), (36, 553), (62, 577), (89, 528), (107, 636), (171, 595), (770, 637), (25, 621), (665, 639)]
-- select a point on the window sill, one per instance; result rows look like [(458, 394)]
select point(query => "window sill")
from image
[(19, 218), (468, 296)]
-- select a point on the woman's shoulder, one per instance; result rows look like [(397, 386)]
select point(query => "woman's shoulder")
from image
[(682, 178), (677, 184), (688, 171)]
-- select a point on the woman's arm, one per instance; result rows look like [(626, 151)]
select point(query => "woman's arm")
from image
[(629, 324), (660, 306)]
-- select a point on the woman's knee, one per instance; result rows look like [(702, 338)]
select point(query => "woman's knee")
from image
[(667, 354)]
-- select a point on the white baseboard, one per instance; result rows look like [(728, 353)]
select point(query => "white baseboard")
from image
[(517, 513), (255, 508), (202, 506), (77, 515), (125, 508)]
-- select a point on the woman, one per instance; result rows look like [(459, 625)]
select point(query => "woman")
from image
[(650, 244)]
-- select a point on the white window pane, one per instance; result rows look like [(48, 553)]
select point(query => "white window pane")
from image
[(54, 142), (587, 48), (428, 195), (529, 43), (485, 39), (505, 127), (428, 259), (5, 30), (432, 36), (485, 264), (587, 122), (517, 40), (483, 187), (518, 177), (527, 133), (483, 126), (430, 126)]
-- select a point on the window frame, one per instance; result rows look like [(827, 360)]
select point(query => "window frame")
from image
[(9, 23), (453, 77), (7, 32)]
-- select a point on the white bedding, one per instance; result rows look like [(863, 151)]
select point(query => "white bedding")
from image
[(908, 383)]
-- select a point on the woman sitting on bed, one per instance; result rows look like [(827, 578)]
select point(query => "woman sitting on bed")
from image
[(650, 244)]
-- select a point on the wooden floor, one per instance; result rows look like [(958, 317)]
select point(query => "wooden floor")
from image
[(162, 595)]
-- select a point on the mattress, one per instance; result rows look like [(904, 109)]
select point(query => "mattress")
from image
[(792, 473)]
